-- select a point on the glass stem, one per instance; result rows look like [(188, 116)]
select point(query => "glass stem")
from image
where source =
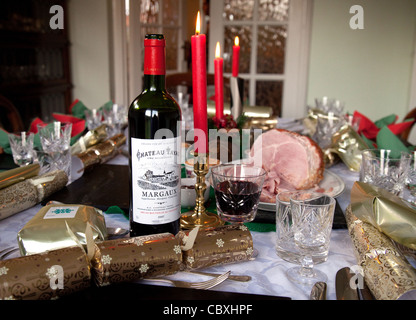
[(307, 266)]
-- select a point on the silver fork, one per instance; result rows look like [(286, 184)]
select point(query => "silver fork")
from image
[(194, 285), (231, 277), (4, 253)]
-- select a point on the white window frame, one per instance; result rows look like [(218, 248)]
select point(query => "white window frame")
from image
[(126, 53), (295, 77)]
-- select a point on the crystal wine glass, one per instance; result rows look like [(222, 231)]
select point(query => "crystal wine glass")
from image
[(387, 169), (312, 225), (21, 144), (237, 191)]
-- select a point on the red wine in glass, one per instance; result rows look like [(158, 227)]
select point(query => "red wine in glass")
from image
[(237, 200)]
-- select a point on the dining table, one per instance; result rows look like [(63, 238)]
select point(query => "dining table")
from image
[(266, 269)]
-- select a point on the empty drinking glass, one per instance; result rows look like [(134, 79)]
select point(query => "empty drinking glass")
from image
[(327, 105), (285, 241), (327, 125), (285, 238), (312, 226), (115, 118), (21, 144), (388, 169), (94, 118), (55, 139)]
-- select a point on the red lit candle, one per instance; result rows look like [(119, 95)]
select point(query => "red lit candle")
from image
[(219, 83), (199, 85), (236, 56)]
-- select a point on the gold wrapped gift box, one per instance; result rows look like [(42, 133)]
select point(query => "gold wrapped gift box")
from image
[(57, 226)]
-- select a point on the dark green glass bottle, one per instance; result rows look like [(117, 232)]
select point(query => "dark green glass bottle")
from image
[(154, 144)]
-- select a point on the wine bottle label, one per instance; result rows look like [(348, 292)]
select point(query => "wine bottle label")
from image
[(156, 180)]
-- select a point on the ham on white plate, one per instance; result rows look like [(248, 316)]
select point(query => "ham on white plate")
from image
[(292, 161)]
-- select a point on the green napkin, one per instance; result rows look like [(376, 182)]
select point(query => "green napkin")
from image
[(107, 106), (368, 142), (388, 140), (116, 210), (78, 110), (4, 142), (385, 121)]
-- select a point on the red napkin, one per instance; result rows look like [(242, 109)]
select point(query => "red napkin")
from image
[(73, 104), (78, 125), (366, 127), (370, 130)]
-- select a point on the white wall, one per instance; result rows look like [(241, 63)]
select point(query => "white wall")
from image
[(88, 33), (369, 69)]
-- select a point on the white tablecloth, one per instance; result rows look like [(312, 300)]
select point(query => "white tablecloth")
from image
[(267, 270)]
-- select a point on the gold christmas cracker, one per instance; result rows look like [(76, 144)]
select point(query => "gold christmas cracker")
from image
[(102, 152), (219, 245), (90, 139), (385, 211), (45, 276), (348, 145), (386, 271), (38, 276), (25, 194), (124, 260), (12, 176), (57, 226)]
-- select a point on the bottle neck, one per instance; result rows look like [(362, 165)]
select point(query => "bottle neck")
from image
[(154, 64), (154, 82)]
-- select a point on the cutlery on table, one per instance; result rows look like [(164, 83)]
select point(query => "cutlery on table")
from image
[(241, 278), (4, 253), (114, 233), (344, 291), (318, 291), (194, 285)]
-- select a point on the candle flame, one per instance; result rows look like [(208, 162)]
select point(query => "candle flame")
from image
[(198, 24), (217, 51), (237, 41)]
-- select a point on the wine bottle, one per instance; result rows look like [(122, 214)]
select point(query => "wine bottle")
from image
[(154, 144)]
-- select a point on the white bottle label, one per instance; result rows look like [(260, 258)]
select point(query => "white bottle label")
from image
[(156, 180)]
